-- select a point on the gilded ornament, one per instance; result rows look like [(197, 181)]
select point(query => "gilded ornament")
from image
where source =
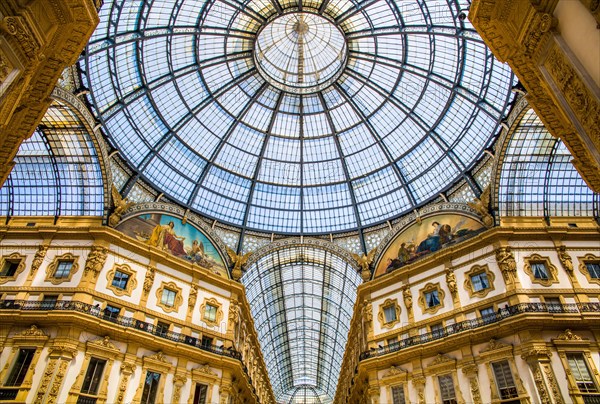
[(364, 262), (239, 261), (33, 331), (569, 336), (95, 260), (40, 254), (193, 296), (120, 206), (565, 259), (407, 295), (149, 280), (451, 281), (506, 261), (481, 206)]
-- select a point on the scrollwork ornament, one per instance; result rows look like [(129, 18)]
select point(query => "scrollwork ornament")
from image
[(568, 335), (33, 331), (541, 387)]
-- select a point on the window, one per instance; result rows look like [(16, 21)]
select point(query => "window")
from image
[(432, 298), (200, 394), (437, 329), (93, 376), (111, 312), (553, 304), (49, 301), (120, 280), (480, 281), (10, 267), (168, 297), (504, 380), (63, 269), (162, 329), (539, 270), (150, 388), (207, 341), (19, 369), (593, 269), (210, 313), (389, 313), (398, 395), (392, 341), (447, 389), (581, 373), (488, 313)]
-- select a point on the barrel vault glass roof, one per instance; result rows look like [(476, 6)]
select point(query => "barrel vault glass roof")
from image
[(302, 300), (310, 116)]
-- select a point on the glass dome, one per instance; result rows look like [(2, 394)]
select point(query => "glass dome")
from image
[(314, 117)]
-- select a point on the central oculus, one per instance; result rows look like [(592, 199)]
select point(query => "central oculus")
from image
[(300, 52)]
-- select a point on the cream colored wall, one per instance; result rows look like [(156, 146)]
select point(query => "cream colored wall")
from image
[(581, 35)]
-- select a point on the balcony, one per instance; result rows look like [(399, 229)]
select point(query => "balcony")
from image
[(506, 312), (88, 309)]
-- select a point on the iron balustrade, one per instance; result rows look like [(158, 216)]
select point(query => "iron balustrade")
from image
[(501, 314), (96, 311)]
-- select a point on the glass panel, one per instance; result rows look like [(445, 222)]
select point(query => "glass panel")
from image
[(398, 395), (120, 280), (150, 388), (447, 389), (91, 381), (593, 269), (397, 97), (20, 368), (504, 380)]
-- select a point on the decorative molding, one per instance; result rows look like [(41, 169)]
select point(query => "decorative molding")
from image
[(451, 282), (428, 288), (32, 331), (51, 268), (551, 269), (495, 345), (12, 258), (103, 342), (38, 258), (381, 314), (177, 302), (475, 270), (204, 370), (95, 260), (588, 259), (218, 317), (506, 262), (149, 280), (304, 241), (568, 335), (131, 282), (395, 371), (565, 259)]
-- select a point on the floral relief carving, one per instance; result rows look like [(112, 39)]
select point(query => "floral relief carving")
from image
[(16, 26), (32, 331)]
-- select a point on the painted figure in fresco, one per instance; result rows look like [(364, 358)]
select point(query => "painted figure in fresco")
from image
[(164, 237)]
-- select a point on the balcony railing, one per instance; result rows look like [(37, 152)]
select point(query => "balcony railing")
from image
[(506, 312), (70, 305)]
